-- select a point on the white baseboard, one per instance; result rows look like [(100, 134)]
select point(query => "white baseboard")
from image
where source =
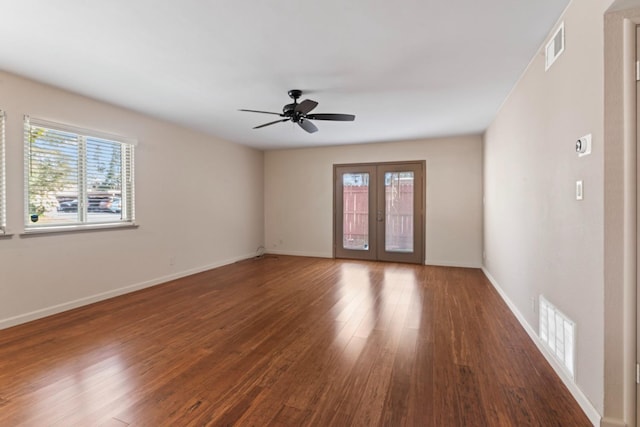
[(608, 422), (327, 255), (438, 263), (59, 308), (591, 412), (296, 253)]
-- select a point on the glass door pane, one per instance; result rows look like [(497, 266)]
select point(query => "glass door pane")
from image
[(400, 212), (355, 211), (399, 209), (354, 206)]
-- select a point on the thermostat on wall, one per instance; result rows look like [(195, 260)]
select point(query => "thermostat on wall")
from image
[(583, 145)]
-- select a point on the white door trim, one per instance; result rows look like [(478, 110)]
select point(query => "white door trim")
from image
[(620, 211)]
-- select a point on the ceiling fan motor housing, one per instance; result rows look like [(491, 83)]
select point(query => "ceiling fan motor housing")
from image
[(289, 109)]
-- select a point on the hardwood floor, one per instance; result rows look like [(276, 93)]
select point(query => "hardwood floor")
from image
[(286, 341)]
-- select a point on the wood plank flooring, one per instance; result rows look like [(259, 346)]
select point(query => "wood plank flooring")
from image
[(286, 341)]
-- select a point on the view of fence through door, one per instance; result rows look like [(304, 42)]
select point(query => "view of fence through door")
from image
[(355, 229), (398, 211), (379, 211)]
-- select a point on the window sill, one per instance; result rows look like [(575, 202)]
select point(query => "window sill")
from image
[(58, 229)]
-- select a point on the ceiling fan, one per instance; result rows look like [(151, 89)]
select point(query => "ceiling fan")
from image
[(299, 113)]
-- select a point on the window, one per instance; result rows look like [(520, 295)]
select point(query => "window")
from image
[(76, 178), (3, 203)]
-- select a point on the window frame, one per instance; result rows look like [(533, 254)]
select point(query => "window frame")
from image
[(127, 165)]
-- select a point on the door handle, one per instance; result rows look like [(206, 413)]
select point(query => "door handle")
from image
[(380, 215)]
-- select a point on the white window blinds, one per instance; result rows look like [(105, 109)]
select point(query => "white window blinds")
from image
[(76, 177), (3, 198)]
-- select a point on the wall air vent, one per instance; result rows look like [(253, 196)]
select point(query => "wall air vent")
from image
[(554, 48), (557, 332)]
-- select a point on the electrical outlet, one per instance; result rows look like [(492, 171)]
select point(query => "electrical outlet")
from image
[(172, 261)]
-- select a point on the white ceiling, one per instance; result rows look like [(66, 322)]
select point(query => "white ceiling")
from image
[(407, 69)]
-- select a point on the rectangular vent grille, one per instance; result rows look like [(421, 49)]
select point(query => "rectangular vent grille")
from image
[(557, 331), (554, 48)]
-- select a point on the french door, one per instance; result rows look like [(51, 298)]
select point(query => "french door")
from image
[(379, 211)]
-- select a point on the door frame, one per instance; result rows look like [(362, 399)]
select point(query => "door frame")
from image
[(636, 243), (420, 223), (620, 218)]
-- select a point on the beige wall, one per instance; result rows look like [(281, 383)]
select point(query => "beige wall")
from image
[(299, 196), (199, 204), (539, 240)]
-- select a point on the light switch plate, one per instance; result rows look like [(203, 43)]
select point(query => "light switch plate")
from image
[(579, 190)]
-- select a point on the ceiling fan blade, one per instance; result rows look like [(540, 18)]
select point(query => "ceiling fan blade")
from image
[(264, 112), (334, 117), (308, 126), (305, 106), (271, 123)]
